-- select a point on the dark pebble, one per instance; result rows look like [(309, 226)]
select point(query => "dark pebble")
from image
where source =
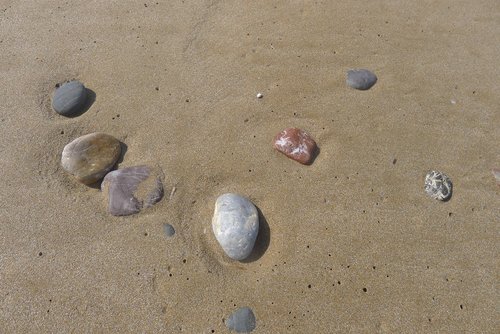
[(69, 98)]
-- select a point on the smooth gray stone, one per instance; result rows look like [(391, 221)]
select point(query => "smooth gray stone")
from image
[(235, 224), (361, 79), (69, 98), (131, 189), (438, 185), (168, 230), (242, 320)]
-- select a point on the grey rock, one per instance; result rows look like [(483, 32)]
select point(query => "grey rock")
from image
[(88, 158), (168, 230), (438, 185), (235, 224), (242, 320), (361, 79), (69, 98), (131, 189)]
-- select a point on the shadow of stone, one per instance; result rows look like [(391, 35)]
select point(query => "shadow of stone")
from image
[(88, 103), (314, 155), (124, 149), (447, 199), (263, 240)]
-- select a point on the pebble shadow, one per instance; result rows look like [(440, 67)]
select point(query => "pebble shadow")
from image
[(124, 149), (314, 155), (447, 199), (263, 240)]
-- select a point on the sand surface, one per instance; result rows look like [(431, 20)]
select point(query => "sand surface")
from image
[(176, 81)]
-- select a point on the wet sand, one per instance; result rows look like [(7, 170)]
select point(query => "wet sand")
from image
[(349, 244)]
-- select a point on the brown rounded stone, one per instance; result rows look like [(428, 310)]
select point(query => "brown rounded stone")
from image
[(296, 144), (88, 158)]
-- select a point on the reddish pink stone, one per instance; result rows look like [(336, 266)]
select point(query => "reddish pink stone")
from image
[(296, 144)]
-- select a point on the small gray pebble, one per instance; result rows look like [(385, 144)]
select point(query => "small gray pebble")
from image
[(242, 320), (438, 185), (69, 98), (361, 79), (168, 230)]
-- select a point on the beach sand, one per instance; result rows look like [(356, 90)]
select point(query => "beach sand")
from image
[(349, 244)]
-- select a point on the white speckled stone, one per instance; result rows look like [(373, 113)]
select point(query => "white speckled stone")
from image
[(235, 224), (438, 185), (296, 144)]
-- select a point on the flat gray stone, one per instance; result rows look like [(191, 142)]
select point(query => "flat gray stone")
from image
[(69, 98), (438, 185), (131, 189), (242, 320), (168, 230), (361, 79), (88, 158), (235, 224)]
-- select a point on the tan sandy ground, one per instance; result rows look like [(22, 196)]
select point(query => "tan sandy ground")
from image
[(357, 218)]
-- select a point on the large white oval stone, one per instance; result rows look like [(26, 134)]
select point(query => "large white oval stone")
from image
[(235, 224)]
